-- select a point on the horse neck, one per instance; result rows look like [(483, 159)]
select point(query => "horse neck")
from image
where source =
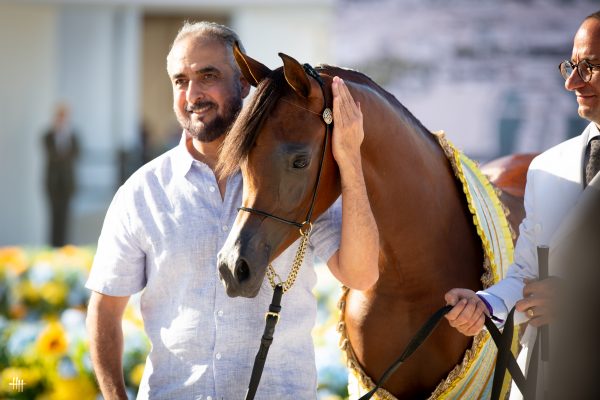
[(400, 151), (412, 190)]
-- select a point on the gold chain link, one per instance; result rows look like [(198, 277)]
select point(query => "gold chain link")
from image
[(298, 259)]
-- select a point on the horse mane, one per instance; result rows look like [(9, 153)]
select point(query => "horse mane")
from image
[(359, 77), (242, 135)]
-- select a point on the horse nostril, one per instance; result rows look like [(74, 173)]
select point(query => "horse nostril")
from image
[(242, 271)]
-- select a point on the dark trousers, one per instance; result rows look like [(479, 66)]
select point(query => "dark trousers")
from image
[(59, 221)]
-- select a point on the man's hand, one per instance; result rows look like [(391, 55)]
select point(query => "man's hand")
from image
[(538, 301), (348, 131), (468, 314)]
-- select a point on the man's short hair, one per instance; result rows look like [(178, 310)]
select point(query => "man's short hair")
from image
[(208, 29), (593, 15)]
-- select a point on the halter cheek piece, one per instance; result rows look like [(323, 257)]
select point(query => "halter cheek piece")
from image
[(327, 116)]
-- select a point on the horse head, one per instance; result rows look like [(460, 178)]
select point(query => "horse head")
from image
[(280, 142)]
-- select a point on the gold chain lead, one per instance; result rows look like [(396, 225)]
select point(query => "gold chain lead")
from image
[(298, 259)]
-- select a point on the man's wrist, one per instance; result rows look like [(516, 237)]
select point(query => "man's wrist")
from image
[(490, 310)]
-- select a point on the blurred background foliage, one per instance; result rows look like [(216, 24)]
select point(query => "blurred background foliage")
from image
[(43, 340)]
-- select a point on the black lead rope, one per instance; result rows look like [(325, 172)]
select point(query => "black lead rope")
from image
[(271, 319), (504, 361), (413, 345)]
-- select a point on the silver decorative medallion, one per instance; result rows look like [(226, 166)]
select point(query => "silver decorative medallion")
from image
[(327, 116)]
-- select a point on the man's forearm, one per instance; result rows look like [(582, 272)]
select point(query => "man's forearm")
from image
[(356, 262), (359, 247), (106, 349)]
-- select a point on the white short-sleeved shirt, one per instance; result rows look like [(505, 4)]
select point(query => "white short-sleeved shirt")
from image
[(161, 234)]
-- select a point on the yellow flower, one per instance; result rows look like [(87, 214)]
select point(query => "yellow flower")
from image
[(68, 257), (54, 293), (28, 292), (13, 259), (52, 340), (135, 376), (76, 256), (78, 388), (133, 316)]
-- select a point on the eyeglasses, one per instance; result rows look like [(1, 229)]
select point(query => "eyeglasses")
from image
[(584, 69)]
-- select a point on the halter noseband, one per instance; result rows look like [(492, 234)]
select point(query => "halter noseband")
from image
[(328, 119)]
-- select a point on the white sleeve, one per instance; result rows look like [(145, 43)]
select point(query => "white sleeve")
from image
[(119, 263), (327, 231)]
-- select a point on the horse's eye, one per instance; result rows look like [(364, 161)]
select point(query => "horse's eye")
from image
[(300, 163)]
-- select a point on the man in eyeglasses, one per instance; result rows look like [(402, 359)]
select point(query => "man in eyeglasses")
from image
[(555, 182)]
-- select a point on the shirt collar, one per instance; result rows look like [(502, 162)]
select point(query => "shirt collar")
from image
[(182, 160), (594, 133)]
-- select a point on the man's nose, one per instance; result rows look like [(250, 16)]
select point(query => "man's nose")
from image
[(194, 92), (574, 81)]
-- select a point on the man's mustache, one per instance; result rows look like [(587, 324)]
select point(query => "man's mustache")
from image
[(199, 105)]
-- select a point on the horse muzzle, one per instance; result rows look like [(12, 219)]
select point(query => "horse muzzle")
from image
[(242, 269)]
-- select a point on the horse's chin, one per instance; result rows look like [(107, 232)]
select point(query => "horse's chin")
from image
[(238, 291)]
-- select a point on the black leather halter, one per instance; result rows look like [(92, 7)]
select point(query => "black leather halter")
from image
[(327, 118)]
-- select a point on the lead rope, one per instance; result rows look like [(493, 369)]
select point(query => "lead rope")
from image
[(272, 316), (504, 361)]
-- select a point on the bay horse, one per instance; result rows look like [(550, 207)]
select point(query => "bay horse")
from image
[(428, 243)]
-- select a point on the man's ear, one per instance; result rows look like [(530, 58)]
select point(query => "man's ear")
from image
[(245, 86)]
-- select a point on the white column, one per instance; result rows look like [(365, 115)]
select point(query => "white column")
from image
[(99, 52), (125, 96)]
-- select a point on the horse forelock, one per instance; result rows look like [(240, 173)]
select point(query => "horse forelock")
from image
[(242, 135)]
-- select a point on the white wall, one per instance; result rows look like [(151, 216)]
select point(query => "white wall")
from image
[(27, 93)]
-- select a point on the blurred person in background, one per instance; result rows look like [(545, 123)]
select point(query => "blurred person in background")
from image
[(555, 182), (166, 224), (61, 148)]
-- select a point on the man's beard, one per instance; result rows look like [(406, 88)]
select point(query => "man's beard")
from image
[(211, 130)]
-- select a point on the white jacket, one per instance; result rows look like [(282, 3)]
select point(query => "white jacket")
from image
[(554, 184)]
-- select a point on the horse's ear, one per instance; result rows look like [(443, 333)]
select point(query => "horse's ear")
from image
[(253, 71), (295, 75)]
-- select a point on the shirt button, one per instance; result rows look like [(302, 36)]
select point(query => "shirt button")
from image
[(225, 228), (218, 356), (220, 313), (211, 189)]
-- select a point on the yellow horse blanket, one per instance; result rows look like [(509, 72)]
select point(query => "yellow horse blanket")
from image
[(472, 379)]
